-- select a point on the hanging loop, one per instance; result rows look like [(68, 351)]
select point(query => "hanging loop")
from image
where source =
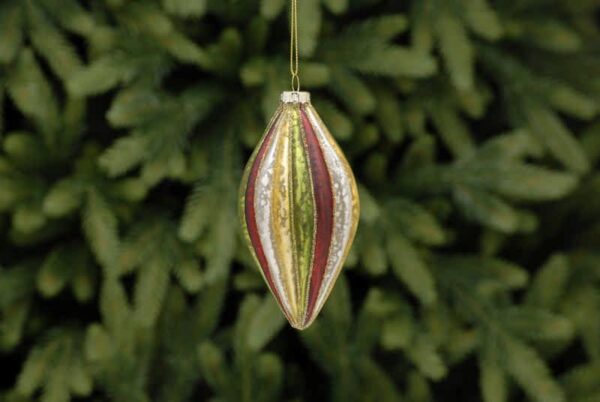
[(295, 82), (294, 58)]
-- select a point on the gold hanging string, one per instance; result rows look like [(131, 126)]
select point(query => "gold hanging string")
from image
[(294, 63)]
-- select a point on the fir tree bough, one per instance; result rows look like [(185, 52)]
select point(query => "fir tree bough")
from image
[(473, 130)]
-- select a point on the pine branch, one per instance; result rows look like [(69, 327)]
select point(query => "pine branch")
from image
[(100, 228), (11, 31), (53, 45)]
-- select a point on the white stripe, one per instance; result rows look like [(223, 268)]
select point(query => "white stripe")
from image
[(262, 210), (342, 207)]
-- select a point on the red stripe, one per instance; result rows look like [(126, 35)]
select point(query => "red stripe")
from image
[(251, 216), (324, 210)]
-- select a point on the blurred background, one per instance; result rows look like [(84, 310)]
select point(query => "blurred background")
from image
[(472, 127)]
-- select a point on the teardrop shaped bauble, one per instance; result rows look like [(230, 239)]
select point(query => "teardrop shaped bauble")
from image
[(299, 208)]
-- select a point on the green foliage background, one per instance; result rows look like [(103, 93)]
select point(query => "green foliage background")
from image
[(473, 129)]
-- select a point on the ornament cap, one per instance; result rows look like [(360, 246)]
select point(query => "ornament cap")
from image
[(295, 97)]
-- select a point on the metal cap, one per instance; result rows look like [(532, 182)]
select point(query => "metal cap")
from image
[(295, 97)]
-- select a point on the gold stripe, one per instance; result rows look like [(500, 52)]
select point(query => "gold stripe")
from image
[(281, 230), (242, 201)]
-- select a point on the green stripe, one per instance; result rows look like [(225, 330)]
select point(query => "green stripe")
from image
[(303, 209)]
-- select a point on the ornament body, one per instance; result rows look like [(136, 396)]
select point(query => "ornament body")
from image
[(299, 208)]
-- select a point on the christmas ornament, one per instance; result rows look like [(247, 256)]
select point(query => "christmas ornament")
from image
[(299, 204)]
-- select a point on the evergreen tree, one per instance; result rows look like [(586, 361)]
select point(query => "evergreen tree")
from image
[(472, 127)]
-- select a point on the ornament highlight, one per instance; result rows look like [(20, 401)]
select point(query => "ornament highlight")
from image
[(299, 208)]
